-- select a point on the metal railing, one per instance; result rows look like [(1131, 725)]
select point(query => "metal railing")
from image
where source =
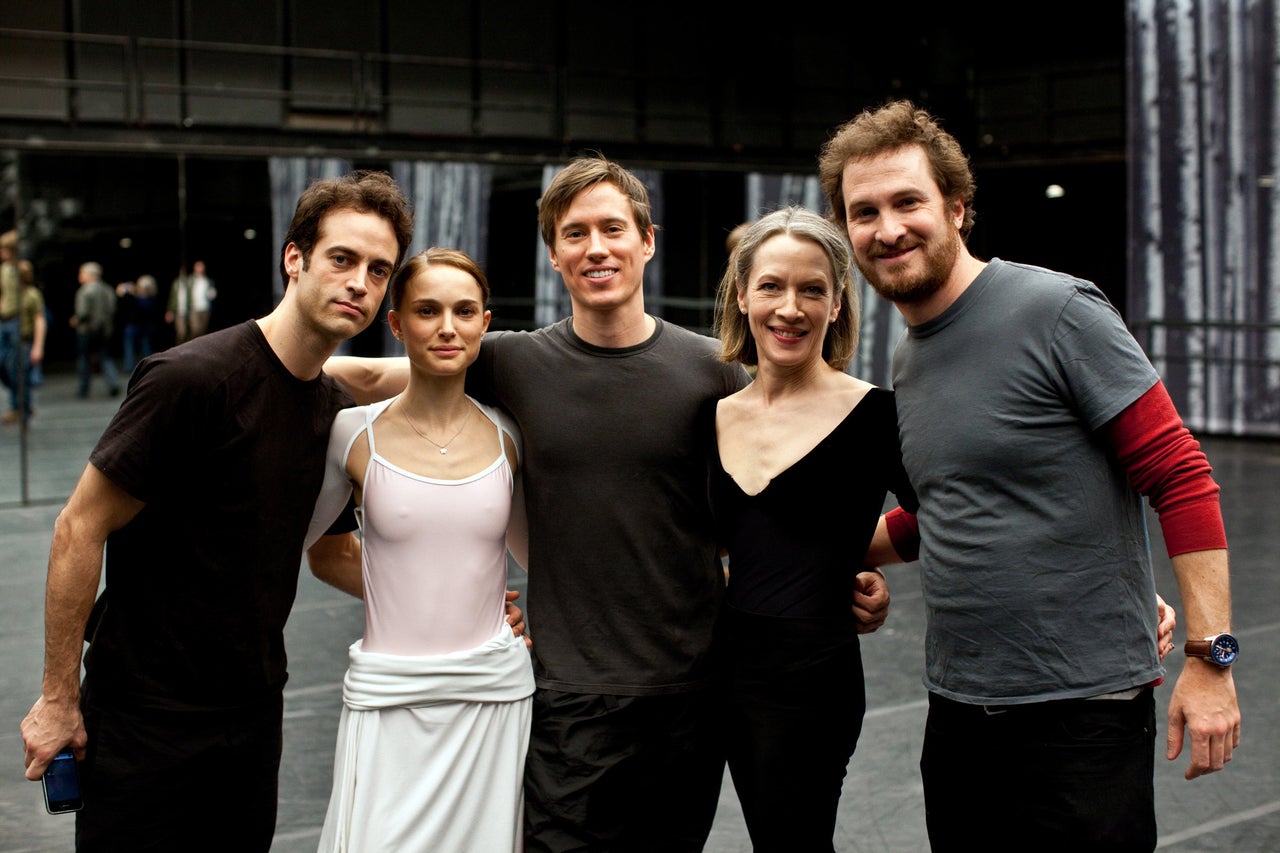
[(149, 81), (143, 81)]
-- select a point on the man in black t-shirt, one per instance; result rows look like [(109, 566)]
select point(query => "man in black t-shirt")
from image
[(201, 489)]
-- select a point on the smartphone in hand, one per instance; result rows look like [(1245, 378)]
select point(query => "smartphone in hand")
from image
[(62, 784)]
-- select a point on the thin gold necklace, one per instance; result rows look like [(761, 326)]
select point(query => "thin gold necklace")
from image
[(444, 448)]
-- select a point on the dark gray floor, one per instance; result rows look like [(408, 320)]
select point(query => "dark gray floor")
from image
[(1236, 810)]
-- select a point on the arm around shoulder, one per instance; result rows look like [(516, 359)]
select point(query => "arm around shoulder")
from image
[(369, 380)]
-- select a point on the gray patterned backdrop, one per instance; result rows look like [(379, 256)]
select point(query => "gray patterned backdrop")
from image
[(1204, 285)]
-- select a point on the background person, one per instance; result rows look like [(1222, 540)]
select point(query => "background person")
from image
[(202, 294), (1031, 425), (438, 690), (137, 312), (190, 303), (22, 369), (8, 305), (94, 322)]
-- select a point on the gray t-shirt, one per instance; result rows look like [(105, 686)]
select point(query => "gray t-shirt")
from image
[(1034, 555)]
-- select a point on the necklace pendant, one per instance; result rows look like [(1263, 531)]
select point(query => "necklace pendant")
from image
[(443, 451)]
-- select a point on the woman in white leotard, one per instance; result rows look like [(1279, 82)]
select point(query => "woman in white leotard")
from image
[(436, 700)]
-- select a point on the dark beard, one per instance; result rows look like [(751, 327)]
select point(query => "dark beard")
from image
[(940, 259)]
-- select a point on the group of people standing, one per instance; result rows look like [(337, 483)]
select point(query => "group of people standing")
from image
[(190, 305), (625, 462), (128, 321), (115, 327)]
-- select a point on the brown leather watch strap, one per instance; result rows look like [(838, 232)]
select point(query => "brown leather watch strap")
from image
[(1220, 649), (1199, 649)]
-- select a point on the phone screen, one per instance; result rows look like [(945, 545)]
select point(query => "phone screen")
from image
[(62, 784)]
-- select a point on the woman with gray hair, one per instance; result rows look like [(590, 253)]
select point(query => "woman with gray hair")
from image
[(803, 427)]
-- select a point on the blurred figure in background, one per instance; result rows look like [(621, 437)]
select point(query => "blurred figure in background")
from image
[(94, 322), (8, 301), (136, 314), (21, 367), (191, 303)]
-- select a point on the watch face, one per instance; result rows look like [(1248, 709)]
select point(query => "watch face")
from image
[(1224, 649)]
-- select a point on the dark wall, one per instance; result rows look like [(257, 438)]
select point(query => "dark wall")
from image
[(700, 96), (1083, 232)]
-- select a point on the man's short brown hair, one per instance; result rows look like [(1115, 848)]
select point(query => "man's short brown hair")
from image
[(895, 125), (578, 176)]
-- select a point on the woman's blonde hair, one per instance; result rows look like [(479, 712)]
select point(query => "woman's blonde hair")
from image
[(841, 341)]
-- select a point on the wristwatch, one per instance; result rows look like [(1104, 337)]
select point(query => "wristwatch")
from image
[(1222, 649)]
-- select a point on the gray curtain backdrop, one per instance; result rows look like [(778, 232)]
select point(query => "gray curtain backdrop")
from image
[(551, 300), (1204, 286), (289, 177), (450, 204), (450, 210), (767, 193), (882, 325)]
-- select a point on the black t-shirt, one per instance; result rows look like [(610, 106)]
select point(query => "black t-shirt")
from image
[(226, 448)]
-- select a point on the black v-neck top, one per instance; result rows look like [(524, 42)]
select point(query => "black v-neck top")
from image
[(795, 548)]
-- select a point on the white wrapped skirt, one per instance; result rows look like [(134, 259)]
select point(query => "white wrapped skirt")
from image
[(431, 750)]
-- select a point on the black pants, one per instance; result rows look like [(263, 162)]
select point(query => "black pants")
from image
[(622, 773), (794, 703), (1071, 775), (179, 780)]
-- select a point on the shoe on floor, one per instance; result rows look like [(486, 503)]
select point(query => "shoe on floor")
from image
[(11, 416)]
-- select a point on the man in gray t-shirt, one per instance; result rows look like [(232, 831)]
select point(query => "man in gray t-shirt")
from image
[(1031, 425)]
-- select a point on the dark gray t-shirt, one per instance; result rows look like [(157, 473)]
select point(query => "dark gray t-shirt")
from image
[(1034, 557), (624, 577)]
